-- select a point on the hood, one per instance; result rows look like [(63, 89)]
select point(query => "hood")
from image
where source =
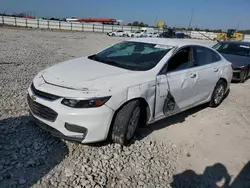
[(83, 74), (237, 60)]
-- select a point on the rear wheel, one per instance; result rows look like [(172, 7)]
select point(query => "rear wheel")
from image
[(124, 35), (218, 94), (126, 122)]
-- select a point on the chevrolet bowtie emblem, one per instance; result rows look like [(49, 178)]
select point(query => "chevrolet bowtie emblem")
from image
[(33, 97)]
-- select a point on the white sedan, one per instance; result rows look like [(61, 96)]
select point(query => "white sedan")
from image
[(117, 33), (137, 34), (134, 82), (154, 35)]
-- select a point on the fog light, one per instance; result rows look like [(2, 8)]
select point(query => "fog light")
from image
[(76, 128)]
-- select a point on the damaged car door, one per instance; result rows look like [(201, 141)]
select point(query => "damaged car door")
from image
[(207, 68), (175, 84)]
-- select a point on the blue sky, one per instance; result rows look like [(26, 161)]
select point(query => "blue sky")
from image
[(207, 13)]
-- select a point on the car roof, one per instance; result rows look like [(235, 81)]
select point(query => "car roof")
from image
[(166, 41), (246, 43)]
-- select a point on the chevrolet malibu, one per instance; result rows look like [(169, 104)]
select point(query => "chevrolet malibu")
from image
[(135, 82)]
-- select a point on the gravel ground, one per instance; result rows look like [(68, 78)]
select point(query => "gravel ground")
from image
[(31, 157), (203, 140)]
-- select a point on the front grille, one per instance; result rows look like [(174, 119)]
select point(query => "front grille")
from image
[(43, 94), (41, 110)]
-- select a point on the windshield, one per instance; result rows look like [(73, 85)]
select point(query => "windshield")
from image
[(234, 49), (132, 55)]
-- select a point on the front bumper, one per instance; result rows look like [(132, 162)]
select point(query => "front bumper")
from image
[(87, 125), (238, 73)]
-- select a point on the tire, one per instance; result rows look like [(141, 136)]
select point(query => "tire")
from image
[(124, 35), (113, 34), (218, 94), (126, 122), (244, 75), (132, 35)]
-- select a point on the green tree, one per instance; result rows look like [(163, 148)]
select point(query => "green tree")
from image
[(141, 24), (135, 23)]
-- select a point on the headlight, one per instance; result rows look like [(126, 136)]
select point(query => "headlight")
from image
[(90, 103)]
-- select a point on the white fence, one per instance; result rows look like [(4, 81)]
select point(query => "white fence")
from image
[(72, 26), (90, 27)]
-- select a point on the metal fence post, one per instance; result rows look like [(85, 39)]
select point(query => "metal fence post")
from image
[(26, 22), (48, 24), (15, 21), (103, 28), (3, 20), (93, 27), (60, 25), (82, 26), (112, 27), (71, 25), (37, 23), (122, 27), (131, 29)]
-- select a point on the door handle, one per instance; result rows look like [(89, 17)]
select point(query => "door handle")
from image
[(216, 70), (192, 75)]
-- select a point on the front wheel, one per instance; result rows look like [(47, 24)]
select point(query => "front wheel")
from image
[(126, 122), (218, 94)]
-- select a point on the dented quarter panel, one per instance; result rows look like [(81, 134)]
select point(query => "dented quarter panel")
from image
[(226, 72), (205, 81)]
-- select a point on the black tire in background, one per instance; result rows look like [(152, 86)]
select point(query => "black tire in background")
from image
[(113, 34), (122, 121), (215, 101)]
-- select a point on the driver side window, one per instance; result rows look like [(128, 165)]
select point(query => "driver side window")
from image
[(182, 60)]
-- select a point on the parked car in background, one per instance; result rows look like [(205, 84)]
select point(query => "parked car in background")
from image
[(147, 30), (238, 53), (179, 35), (169, 33), (134, 82), (117, 33), (138, 33), (154, 34)]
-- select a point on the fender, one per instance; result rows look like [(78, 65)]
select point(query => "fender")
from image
[(146, 91)]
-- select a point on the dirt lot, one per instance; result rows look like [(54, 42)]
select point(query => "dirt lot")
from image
[(199, 147)]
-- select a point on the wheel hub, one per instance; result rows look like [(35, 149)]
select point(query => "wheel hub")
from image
[(219, 94)]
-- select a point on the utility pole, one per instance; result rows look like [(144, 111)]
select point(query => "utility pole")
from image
[(238, 26), (190, 22), (156, 19)]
